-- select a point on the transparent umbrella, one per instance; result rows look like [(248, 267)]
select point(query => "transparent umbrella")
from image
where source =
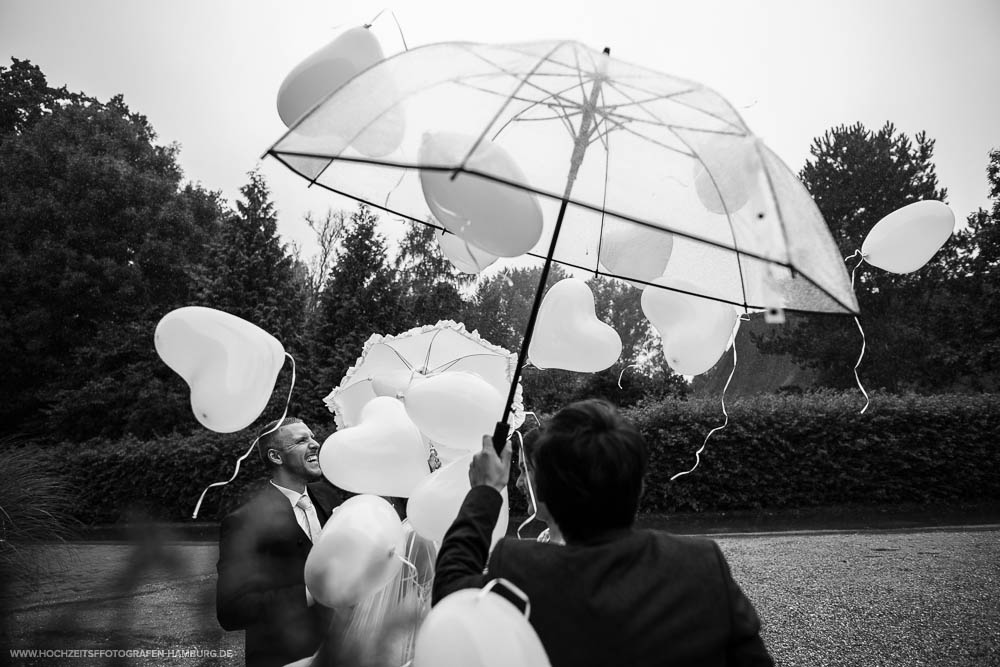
[(562, 152)]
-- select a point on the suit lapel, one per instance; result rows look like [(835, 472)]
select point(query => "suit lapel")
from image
[(322, 511), (278, 503)]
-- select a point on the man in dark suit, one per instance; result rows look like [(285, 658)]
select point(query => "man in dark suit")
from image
[(614, 594), (263, 547)]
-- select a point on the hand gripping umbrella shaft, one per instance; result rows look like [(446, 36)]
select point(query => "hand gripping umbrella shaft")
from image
[(580, 144)]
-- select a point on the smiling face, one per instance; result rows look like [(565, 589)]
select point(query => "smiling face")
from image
[(297, 454)]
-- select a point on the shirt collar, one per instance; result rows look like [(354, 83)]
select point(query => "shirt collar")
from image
[(293, 496)]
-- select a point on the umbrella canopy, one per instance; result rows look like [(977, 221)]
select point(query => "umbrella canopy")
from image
[(632, 151), (560, 151), (390, 365)]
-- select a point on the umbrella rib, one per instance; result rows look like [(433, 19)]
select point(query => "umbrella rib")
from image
[(430, 345), (777, 207), (448, 364), (496, 116), (604, 198), (729, 219), (673, 99)]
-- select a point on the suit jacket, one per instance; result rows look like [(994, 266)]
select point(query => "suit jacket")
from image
[(261, 586), (633, 597)]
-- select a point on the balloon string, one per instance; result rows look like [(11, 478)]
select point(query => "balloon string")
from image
[(863, 342), (697, 454), (622, 374), (527, 482), (197, 507)]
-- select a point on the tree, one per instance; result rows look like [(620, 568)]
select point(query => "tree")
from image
[(327, 231), (431, 286), (962, 322), (360, 297), (98, 242), (857, 176), (249, 272)]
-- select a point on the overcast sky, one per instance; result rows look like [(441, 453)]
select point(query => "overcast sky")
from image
[(206, 72)]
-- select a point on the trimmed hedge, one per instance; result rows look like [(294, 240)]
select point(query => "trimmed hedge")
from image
[(778, 451), (788, 451)]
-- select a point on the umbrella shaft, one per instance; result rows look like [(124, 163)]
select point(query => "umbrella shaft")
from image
[(587, 126)]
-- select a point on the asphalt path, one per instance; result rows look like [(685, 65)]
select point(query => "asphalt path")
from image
[(889, 597)]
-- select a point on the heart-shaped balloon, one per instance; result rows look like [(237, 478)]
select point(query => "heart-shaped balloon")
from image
[(357, 553), (352, 52), (463, 255), (230, 364), (568, 334), (633, 251), (503, 220), (435, 502), (695, 331), (326, 70), (384, 454), (477, 628), (455, 409), (907, 238)]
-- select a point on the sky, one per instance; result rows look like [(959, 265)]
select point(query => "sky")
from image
[(206, 72)]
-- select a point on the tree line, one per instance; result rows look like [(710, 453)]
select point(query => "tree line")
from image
[(101, 237)]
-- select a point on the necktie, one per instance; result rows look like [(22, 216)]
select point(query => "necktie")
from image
[(312, 521)]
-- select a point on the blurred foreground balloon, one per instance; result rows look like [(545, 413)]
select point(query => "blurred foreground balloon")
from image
[(568, 334), (230, 364), (502, 220), (384, 454), (695, 331), (435, 502), (454, 409), (907, 238), (479, 628), (357, 553)]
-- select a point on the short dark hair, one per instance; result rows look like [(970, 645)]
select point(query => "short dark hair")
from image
[(589, 464), (268, 437)]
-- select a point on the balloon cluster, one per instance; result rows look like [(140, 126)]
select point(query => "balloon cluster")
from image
[(391, 418)]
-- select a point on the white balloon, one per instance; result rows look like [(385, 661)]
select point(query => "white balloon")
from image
[(907, 238), (634, 251), (395, 383), (463, 255), (455, 409), (435, 502), (726, 175), (230, 364), (502, 220), (326, 70), (695, 331), (473, 628), (384, 454), (357, 553), (568, 334)]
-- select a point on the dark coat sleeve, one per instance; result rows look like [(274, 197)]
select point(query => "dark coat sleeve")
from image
[(745, 647), (462, 558), (249, 587)]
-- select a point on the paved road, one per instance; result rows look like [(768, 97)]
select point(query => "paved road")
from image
[(874, 598)]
